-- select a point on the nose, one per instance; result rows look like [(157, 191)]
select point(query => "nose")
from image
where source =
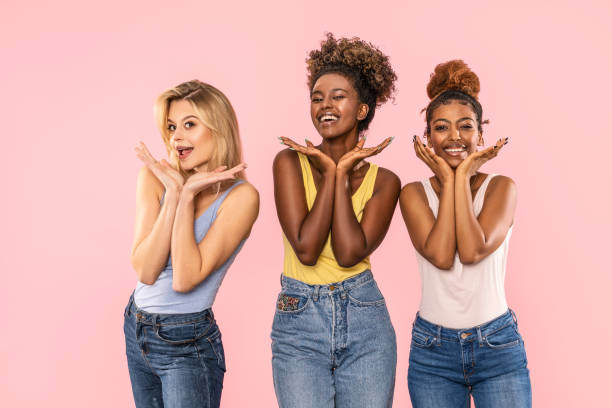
[(454, 133), (176, 136)]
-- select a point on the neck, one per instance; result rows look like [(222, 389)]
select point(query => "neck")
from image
[(338, 146)]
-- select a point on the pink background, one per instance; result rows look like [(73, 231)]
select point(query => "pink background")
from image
[(78, 85)]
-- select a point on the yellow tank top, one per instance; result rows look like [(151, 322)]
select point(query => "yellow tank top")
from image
[(327, 270)]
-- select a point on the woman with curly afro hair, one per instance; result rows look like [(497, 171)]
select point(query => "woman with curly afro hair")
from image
[(465, 340), (333, 344)]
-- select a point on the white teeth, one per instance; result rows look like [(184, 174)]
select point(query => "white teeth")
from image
[(328, 117), (455, 150)]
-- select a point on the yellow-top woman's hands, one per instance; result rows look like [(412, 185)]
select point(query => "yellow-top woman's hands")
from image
[(320, 160), (357, 153)]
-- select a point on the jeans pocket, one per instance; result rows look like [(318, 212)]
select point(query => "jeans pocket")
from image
[(180, 333), (367, 294), (507, 336), (291, 303), (421, 338)]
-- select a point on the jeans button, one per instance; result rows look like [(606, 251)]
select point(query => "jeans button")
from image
[(332, 287)]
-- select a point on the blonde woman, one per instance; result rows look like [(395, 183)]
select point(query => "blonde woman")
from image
[(192, 218)]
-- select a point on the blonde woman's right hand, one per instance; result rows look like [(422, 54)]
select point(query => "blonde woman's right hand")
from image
[(438, 165), (320, 160), (171, 179)]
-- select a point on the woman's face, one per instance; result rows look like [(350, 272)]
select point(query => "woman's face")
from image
[(191, 140), (335, 107), (454, 132)]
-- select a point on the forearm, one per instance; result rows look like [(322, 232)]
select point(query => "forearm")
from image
[(314, 231), (471, 239), (441, 245), (151, 255), (347, 237), (186, 258)]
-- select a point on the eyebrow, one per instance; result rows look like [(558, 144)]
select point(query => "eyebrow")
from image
[(458, 120), (333, 90), (186, 117)]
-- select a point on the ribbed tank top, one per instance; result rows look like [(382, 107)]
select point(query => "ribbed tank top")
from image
[(466, 295), (161, 298), (327, 270)]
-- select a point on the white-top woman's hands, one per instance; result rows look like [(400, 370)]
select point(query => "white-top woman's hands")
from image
[(475, 160), (320, 160), (171, 179), (438, 165), (203, 179), (357, 153)]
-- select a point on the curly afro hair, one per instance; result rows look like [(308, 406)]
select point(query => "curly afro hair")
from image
[(362, 63), (453, 81)]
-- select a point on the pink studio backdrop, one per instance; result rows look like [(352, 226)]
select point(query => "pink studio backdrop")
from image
[(78, 85)]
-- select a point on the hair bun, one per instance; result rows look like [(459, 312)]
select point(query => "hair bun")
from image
[(453, 75)]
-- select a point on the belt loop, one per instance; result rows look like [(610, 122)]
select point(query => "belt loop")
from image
[(439, 336), (342, 292), (480, 341), (513, 316), (212, 315), (130, 303), (155, 324), (315, 293)]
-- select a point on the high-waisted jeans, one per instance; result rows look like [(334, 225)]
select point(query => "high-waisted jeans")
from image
[(175, 360), (333, 345), (486, 361)]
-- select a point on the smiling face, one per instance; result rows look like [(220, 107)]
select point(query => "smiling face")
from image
[(191, 140), (335, 107), (454, 132)]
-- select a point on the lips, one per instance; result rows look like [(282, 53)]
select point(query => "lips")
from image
[(455, 150), (328, 118), (183, 152)]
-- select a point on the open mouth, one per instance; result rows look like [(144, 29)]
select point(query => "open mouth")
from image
[(456, 150), (183, 152), (328, 118)]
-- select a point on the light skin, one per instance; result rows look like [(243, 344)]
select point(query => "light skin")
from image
[(165, 228), (338, 170), (451, 153)]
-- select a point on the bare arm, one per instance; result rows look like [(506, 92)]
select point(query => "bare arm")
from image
[(192, 262), (477, 238), (306, 231), (433, 238)]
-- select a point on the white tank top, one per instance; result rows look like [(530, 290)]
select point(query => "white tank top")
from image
[(466, 295)]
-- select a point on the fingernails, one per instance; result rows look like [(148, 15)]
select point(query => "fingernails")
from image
[(413, 138), (307, 141), (507, 140), (392, 137), (291, 148)]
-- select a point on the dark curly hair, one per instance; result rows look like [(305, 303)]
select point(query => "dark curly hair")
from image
[(453, 81), (362, 63)]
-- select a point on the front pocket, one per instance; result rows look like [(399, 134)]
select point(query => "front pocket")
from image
[(422, 339), (505, 337), (177, 334), (367, 294), (217, 348), (291, 303)]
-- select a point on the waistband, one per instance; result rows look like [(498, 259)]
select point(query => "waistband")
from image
[(468, 334), (166, 318), (320, 290)]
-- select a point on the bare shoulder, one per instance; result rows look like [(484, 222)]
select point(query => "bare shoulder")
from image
[(387, 179), (284, 160), (413, 193), (244, 194), (501, 186)]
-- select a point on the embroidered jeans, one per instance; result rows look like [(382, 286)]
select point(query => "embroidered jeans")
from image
[(333, 345)]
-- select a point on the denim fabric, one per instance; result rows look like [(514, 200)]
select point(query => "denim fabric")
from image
[(174, 360), (486, 361), (333, 345)]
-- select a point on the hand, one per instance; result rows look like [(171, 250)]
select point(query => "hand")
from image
[(438, 165), (357, 153), (474, 161), (202, 179), (171, 179), (320, 160)]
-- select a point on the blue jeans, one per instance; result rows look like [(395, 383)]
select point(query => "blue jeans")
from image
[(333, 345), (175, 360), (486, 361)]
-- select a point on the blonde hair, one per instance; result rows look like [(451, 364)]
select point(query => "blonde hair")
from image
[(215, 111)]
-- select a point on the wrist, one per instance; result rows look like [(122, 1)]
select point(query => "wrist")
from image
[(186, 195)]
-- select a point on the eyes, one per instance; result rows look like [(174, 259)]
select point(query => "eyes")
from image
[(444, 127), (319, 99), (188, 125)]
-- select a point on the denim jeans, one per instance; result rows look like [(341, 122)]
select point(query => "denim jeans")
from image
[(175, 360), (486, 361), (333, 345)]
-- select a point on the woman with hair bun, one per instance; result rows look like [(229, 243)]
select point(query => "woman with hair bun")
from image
[(192, 218), (333, 344), (465, 340)]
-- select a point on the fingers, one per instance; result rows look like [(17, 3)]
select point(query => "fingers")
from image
[(144, 155), (293, 145)]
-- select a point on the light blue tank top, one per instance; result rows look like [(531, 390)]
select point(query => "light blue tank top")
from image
[(161, 298)]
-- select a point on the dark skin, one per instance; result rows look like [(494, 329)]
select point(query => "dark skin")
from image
[(338, 170), (455, 161)]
